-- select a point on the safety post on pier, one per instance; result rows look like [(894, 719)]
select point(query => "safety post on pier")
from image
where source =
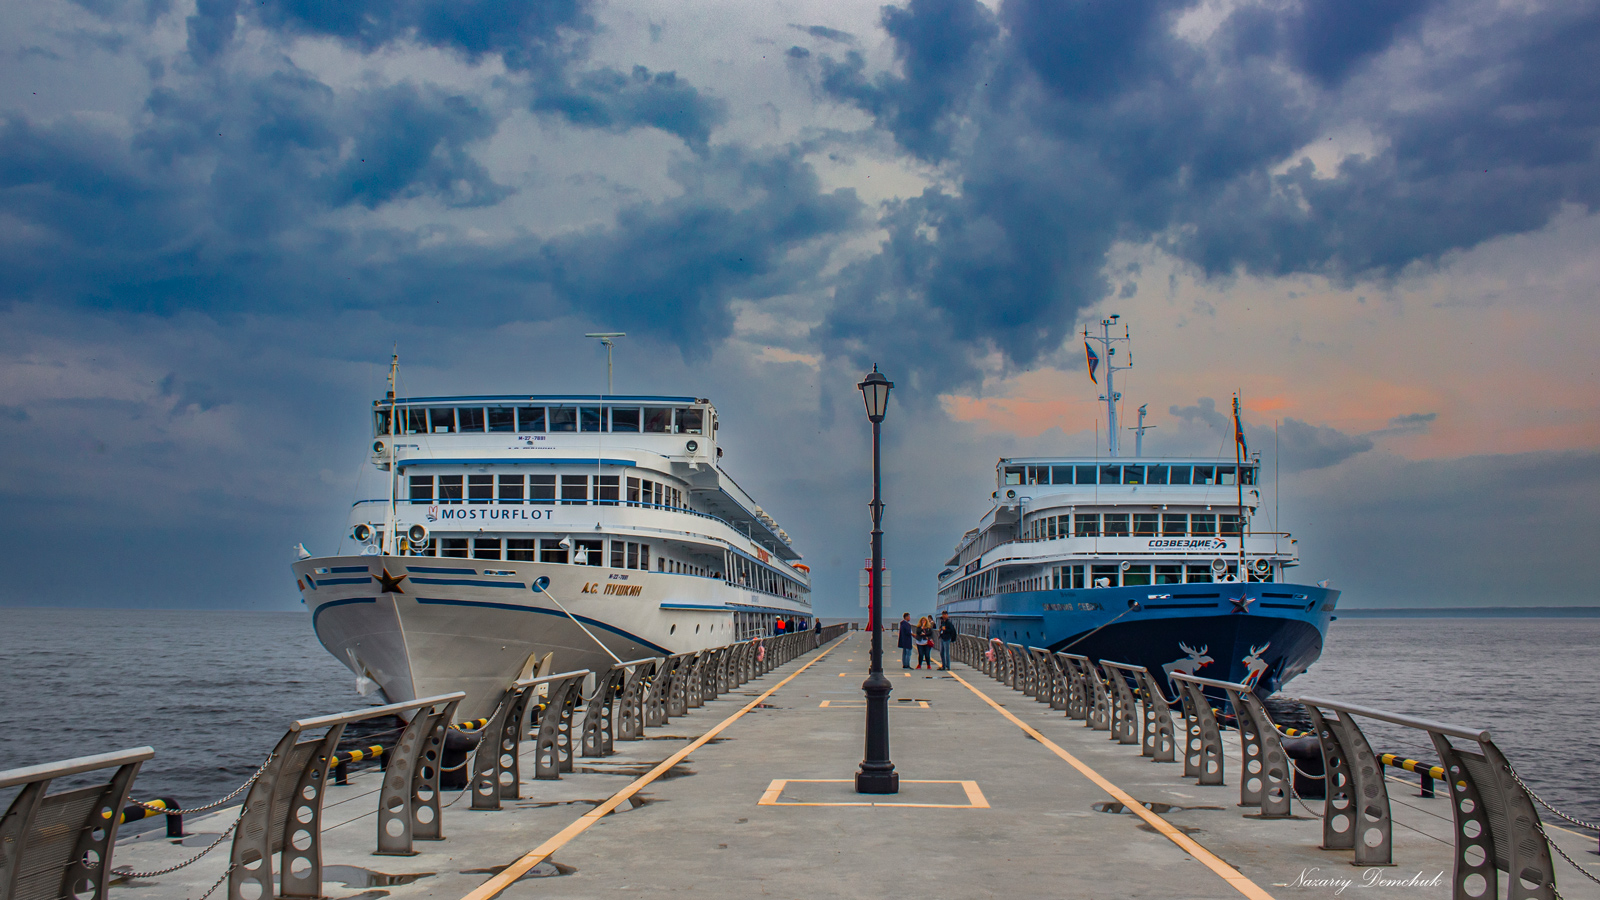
[(496, 767), (1264, 780), (1496, 826), (59, 845), (282, 814)]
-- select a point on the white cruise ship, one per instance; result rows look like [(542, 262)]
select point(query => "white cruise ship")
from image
[(648, 546)]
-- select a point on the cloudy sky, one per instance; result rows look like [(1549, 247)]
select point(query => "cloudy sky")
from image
[(1375, 220)]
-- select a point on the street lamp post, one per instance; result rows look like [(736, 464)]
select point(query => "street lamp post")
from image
[(877, 774)]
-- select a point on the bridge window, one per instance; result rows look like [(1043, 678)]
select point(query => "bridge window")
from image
[(450, 489), (574, 490), (1247, 475), (454, 547), (1133, 474), (442, 420), (563, 418), (486, 548), (416, 421), (1224, 474), (1116, 524), (1088, 524), (1174, 524), (480, 488), (422, 489), (530, 418), (589, 418), (1155, 475), (542, 489), (1110, 474), (511, 488), (691, 421), (1060, 474), (382, 423), (520, 549), (1205, 475), (1203, 524), (1136, 575), (1144, 524), (657, 420), (1171, 574), (551, 551), (1038, 474), (625, 419), (502, 418), (1086, 474), (1015, 474), (1179, 475), (470, 418)]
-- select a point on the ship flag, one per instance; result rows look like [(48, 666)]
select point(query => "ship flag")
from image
[(1238, 432), (1093, 360)]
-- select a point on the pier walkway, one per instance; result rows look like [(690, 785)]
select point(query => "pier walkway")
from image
[(750, 795)]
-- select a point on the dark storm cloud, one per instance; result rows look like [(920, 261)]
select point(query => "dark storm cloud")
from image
[(1076, 125), (617, 101), (1203, 412), (1303, 447), (827, 34)]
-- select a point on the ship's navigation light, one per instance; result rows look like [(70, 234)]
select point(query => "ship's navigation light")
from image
[(362, 533)]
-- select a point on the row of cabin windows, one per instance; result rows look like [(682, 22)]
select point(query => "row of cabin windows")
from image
[(587, 552), (1047, 528), (1126, 474), (541, 419), (548, 490), (1077, 577)]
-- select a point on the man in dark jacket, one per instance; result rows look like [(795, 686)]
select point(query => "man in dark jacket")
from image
[(906, 641), (947, 636)]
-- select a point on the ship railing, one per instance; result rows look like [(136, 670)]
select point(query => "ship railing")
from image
[(282, 813), (60, 844), (1496, 826)]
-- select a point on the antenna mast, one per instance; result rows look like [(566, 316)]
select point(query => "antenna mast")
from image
[(606, 338), (1110, 397), (389, 543), (1138, 432)]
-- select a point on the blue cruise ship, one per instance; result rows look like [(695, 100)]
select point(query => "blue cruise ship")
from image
[(1151, 561)]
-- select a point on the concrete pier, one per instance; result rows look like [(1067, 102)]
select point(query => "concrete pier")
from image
[(751, 796)]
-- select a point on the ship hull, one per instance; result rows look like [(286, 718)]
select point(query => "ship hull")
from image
[(1261, 634), (475, 625)]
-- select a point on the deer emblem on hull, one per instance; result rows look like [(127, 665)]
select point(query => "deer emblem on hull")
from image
[(1255, 666), (1196, 660)]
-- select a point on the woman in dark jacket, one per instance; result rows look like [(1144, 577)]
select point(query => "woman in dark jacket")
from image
[(925, 642)]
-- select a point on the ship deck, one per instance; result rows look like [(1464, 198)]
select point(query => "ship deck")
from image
[(764, 807)]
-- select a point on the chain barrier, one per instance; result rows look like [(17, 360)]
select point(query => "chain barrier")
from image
[(209, 806), (218, 883), (1295, 770), (128, 873), (1540, 826)]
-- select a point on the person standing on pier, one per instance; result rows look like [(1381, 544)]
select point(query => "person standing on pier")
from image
[(925, 642), (906, 641), (947, 636)]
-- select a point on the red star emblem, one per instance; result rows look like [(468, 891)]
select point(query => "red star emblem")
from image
[(391, 583)]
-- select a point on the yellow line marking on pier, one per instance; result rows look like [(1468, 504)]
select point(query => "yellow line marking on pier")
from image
[(975, 798), (1232, 876), (539, 854)]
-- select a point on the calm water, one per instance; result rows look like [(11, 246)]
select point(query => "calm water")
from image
[(212, 691)]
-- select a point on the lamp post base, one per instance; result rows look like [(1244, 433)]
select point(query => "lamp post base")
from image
[(878, 782)]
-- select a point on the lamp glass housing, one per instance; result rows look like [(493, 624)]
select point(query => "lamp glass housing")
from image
[(875, 393)]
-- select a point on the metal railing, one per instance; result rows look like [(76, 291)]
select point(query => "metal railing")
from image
[(60, 844), (1496, 825)]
